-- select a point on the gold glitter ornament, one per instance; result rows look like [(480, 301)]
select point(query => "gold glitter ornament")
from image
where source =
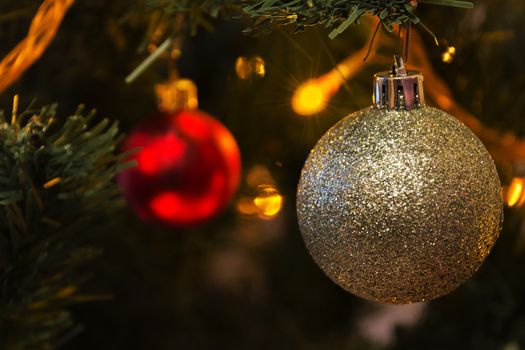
[(399, 203)]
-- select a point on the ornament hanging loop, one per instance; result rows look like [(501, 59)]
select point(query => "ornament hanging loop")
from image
[(398, 68), (404, 33), (172, 46), (399, 88), (176, 93)]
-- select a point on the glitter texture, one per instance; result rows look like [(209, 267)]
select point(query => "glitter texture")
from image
[(399, 206)]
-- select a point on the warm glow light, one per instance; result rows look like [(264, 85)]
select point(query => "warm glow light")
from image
[(52, 182), (247, 68), (449, 54), (258, 175), (269, 202), (259, 66), (310, 98), (444, 101), (176, 94), (515, 192), (246, 206), (41, 32)]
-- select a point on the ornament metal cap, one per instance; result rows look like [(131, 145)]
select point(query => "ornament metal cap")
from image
[(399, 88)]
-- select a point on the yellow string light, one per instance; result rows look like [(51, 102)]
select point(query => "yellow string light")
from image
[(310, 98), (313, 96), (515, 192), (448, 55), (14, 113), (177, 94), (247, 68), (53, 182), (269, 201), (245, 206), (42, 30)]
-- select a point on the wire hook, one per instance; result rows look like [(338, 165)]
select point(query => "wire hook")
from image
[(404, 34)]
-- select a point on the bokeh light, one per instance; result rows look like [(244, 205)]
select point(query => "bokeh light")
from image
[(269, 201), (448, 55), (310, 98), (250, 67), (263, 199), (176, 94), (515, 196)]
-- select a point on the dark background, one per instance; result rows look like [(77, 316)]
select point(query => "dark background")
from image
[(242, 282)]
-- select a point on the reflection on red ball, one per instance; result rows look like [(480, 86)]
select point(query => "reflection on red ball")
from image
[(188, 168)]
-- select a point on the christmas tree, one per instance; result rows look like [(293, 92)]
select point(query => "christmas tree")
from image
[(138, 227)]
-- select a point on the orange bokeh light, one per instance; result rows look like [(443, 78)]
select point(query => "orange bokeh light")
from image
[(448, 55), (515, 195), (269, 201), (310, 98)]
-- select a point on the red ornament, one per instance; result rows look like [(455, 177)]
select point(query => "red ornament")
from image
[(188, 168)]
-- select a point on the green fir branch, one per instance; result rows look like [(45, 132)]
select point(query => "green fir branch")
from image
[(330, 13), (42, 225)]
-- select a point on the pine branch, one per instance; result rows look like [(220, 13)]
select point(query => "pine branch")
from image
[(302, 13), (55, 184)]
